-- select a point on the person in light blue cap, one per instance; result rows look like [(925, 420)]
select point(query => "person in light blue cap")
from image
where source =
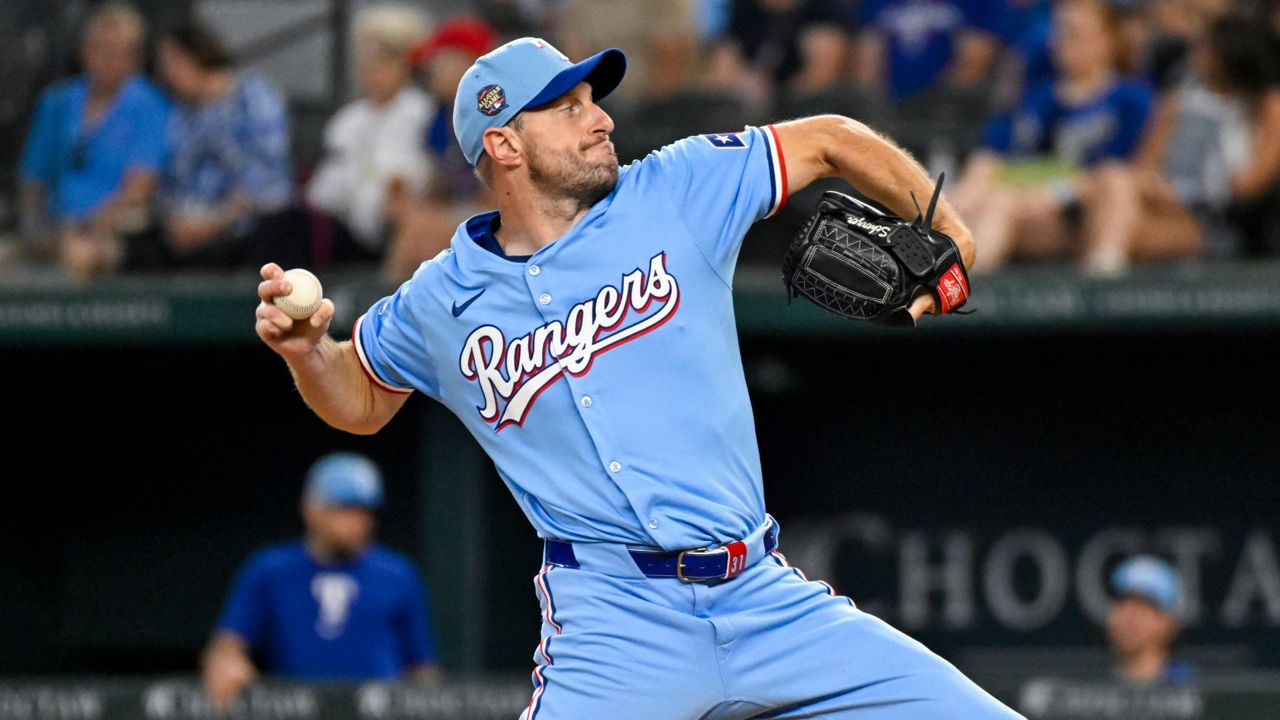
[(344, 479), (524, 74), (1144, 623), (333, 605)]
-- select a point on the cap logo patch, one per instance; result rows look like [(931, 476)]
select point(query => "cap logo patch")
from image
[(491, 100)]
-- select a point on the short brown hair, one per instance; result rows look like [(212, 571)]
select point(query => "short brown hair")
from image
[(202, 44)]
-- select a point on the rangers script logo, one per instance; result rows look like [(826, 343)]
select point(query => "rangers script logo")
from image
[(516, 372)]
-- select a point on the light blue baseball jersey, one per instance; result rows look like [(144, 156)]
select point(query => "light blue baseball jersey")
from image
[(602, 374)]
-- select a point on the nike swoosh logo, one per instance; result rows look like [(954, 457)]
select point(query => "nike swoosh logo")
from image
[(459, 309)]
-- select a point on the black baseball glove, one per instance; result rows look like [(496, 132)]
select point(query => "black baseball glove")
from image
[(866, 264)]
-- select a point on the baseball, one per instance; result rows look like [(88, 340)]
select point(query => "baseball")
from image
[(306, 295)]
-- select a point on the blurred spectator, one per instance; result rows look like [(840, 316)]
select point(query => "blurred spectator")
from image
[(1147, 680), (1143, 622), (796, 46), (658, 36), (681, 92), (95, 148), (444, 57), (713, 17), (454, 193), (1159, 35), (1069, 189), (912, 45), (375, 167), (1026, 61), (1211, 160), (332, 606), (228, 178), (518, 18)]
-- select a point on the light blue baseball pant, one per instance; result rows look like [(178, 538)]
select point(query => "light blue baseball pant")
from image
[(769, 643)]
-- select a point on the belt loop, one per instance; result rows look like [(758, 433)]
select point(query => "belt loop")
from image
[(559, 552)]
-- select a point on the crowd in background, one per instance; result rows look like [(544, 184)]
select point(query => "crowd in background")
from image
[(1102, 132)]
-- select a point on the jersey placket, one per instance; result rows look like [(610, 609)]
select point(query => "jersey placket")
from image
[(553, 303)]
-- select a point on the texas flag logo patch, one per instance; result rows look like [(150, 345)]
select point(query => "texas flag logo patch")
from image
[(725, 141)]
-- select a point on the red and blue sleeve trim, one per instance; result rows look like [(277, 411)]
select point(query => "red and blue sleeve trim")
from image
[(777, 170)]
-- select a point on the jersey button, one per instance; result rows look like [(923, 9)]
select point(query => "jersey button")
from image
[(653, 524), (544, 298), (586, 401), (534, 269), (615, 466)]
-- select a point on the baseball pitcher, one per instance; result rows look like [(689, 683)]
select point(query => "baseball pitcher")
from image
[(584, 333)]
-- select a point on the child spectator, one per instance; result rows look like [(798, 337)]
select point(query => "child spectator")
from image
[(1211, 161), (1053, 177), (375, 167)]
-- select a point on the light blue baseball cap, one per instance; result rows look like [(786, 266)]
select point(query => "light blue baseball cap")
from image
[(1150, 578), (344, 479), (523, 74)]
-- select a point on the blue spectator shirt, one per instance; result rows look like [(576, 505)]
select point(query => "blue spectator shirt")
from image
[(1031, 46), (364, 620), (82, 167), (1108, 126), (454, 180), (770, 38), (1179, 672), (921, 35), (236, 145)]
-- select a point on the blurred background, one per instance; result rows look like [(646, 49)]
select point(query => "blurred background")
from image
[(984, 484)]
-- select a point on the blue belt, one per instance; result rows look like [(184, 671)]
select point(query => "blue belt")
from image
[(690, 566)]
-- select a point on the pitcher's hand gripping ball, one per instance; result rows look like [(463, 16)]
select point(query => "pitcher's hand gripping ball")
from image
[(305, 298), (865, 264)]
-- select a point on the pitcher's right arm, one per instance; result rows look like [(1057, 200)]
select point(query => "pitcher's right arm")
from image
[(326, 372)]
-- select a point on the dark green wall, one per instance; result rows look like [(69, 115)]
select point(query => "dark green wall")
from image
[(141, 478)]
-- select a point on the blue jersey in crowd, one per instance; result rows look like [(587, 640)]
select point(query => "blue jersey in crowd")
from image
[(1032, 48), (1108, 126), (1179, 672), (921, 34), (81, 167), (602, 374), (234, 146), (453, 178), (367, 619)]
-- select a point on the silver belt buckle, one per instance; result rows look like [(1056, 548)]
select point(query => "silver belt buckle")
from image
[(695, 551)]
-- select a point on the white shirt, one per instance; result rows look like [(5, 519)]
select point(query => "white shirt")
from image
[(367, 147)]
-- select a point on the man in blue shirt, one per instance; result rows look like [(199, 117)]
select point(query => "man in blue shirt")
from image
[(584, 334), (227, 183), (331, 606), (911, 45), (95, 149)]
